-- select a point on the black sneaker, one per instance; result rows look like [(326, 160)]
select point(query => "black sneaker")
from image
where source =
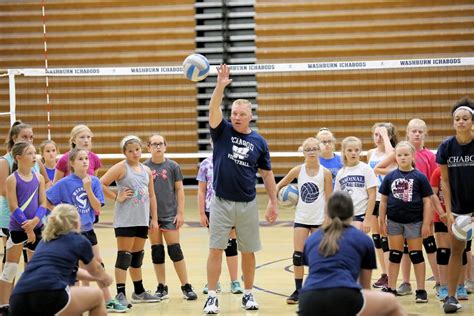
[(248, 302), (421, 296), (188, 292), (293, 298), (4, 310), (162, 291), (211, 306), (451, 305), (389, 290)]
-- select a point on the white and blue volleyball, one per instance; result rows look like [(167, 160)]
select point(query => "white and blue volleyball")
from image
[(288, 196), (462, 228), (196, 67)]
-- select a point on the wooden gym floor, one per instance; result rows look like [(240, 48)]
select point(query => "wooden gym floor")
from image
[(273, 281)]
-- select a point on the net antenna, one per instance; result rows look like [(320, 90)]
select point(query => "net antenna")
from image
[(46, 89)]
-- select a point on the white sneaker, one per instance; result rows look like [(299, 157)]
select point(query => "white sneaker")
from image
[(248, 302), (211, 306)]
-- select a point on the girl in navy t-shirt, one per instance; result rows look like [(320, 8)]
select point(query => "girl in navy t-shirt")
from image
[(456, 158), (341, 259), (44, 288), (405, 213)]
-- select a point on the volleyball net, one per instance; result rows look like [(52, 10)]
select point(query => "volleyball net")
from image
[(292, 101)]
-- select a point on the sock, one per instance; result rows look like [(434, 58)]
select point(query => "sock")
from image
[(211, 293), (138, 286), (120, 288), (247, 291), (299, 283)]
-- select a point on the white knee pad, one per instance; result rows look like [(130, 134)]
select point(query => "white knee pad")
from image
[(9, 272)]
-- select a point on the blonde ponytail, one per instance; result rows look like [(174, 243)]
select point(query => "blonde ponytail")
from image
[(63, 219)]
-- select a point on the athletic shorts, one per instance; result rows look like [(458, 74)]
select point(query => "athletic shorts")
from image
[(167, 225), (331, 302), (241, 215), (409, 231), (299, 225), (19, 237), (39, 303), (133, 231), (440, 227), (358, 218), (91, 236), (208, 215)]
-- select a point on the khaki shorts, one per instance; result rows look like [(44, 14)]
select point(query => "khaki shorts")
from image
[(241, 215)]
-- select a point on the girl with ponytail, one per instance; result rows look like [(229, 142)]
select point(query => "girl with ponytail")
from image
[(341, 259)]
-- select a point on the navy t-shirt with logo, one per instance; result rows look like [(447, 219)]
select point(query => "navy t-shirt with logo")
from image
[(237, 158), (460, 161), (405, 191)]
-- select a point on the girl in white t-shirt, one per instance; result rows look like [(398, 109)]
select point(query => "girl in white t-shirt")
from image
[(314, 188), (357, 179)]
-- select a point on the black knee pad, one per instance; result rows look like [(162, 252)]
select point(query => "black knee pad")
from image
[(468, 245), (175, 253), (416, 256), (158, 254), (25, 255), (395, 256), (231, 249), (4, 255), (464, 257), (297, 258), (137, 259), (377, 241), (430, 244), (384, 242), (442, 256), (124, 258)]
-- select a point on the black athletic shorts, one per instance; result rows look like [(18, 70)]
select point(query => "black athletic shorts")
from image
[(133, 231), (296, 225), (18, 237), (331, 302), (440, 227), (91, 236), (39, 303)]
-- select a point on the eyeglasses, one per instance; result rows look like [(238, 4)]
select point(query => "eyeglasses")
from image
[(156, 145), (311, 149), (327, 142)]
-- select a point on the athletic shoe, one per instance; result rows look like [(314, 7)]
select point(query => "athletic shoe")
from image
[(389, 290), (145, 297), (461, 293), (122, 299), (381, 282), (469, 285), (442, 293), (404, 289), (436, 287), (234, 287), (218, 288), (451, 305), (4, 310), (113, 306), (162, 291), (248, 302), (293, 298), (211, 306), (421, 296), (188, 292)]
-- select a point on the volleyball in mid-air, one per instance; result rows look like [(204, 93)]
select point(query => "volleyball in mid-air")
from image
[(288, 196), (196, 67), (462, 228)]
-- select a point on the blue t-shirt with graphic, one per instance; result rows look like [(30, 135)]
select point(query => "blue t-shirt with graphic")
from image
[(405, 191), (460, 161), (54, 265), (356, 252), (237, 158), (334, 164), (70, 190)]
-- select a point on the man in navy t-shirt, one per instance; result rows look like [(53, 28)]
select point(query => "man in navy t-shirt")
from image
[(239, 153)]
